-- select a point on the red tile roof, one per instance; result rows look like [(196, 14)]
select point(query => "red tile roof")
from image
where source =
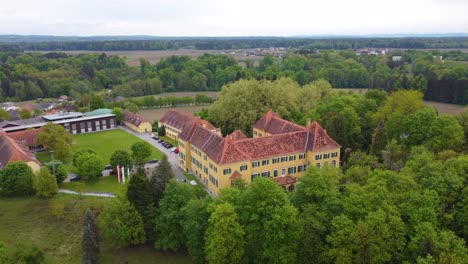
[(183, 121), (133, 119), (273, 124), (235, 175), (282, 181), (237, 134), (227, 150), (12, 150), (27, 137)]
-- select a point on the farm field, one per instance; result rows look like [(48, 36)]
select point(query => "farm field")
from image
[(180, 94), (156, 114), (30, 221), (443, 108), (104, 143), (153, 56)]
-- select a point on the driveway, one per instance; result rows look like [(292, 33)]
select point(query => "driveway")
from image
[(171, 156)]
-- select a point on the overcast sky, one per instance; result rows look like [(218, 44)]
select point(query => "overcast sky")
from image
[(231, 18)]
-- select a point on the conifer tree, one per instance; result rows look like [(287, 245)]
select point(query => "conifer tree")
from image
[(91, 239), (161, 176)]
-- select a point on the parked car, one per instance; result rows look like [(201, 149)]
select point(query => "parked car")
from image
[(153, 161), (160, 141), (155, 138), (75, 178)]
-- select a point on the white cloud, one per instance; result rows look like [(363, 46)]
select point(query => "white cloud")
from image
[(231, 18)]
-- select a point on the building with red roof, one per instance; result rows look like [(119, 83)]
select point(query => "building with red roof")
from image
[(136, 122), (279, 149), (12, 150), (28, 138), (175, 122)]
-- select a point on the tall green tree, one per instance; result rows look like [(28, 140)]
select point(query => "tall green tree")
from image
[(119, 113), (45, 184), (16, 179), (170, 218), (121, 158), (90, 239), (160, 178), (89, 166), (224, 236), (96, 102), (55, 138), (140, 152), (139, 193), (265, 200), (121, 223), (194, 224)]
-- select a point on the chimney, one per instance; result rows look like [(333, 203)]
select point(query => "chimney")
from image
[(204, 125), (308, 123), (218, 131)]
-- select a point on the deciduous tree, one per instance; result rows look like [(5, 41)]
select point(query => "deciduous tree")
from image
[(54, 137), (45, 184), (224, 236), (121, 158), (121, 223), (16, 179), (170, 218), (89, 166), (140, 152)]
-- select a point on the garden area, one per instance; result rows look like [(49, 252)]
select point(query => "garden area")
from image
[(103, 144), (54, 225)]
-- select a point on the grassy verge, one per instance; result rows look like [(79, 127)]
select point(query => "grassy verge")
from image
[(33, 221), (170, 140), (102, 184)]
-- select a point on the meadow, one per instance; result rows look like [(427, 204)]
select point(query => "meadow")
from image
[(57, 232)]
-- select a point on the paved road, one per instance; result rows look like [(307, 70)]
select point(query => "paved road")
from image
[(171, 156), (98, 194)]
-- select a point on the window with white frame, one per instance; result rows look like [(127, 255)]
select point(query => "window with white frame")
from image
[(265, 162), (275, 160), (284, 159), (243, 167), (255, 163), (318, 157), (302, 156), (227, 171)]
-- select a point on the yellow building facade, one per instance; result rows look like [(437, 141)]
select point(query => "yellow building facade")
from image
[(217, 161), (136, 122)]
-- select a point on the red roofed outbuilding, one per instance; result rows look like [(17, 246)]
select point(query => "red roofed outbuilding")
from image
[(136, 122)]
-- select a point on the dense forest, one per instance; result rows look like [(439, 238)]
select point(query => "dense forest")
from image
[(441, 76), (401, 195), (51, 43)]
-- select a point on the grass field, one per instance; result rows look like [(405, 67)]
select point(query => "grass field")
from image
[(103, 184), (156, 114), (30, 221), (153, 56), (104, 143), (180, 94)]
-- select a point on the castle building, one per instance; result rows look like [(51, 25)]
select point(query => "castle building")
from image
[(175, 122), (280, 150)]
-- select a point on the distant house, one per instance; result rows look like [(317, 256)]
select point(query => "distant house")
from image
[(12, 150), (14, 115), (63, 98), (45, 106), (396, 58), (119, 99), (9, 106), (28, 138), (136, 122)]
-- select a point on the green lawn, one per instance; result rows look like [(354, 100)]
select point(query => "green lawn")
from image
[(104, 144), (30, 221), (102, 184)]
